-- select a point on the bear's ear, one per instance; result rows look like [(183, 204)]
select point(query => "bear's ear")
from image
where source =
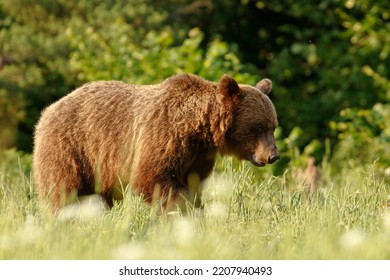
[(265, 86), (229, 87)]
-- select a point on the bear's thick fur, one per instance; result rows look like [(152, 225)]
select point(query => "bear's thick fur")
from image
[(160, 140)]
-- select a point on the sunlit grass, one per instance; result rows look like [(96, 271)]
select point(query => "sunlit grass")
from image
[(243, 218)]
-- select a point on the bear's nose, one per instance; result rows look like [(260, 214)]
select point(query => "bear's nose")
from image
[(274, 157)]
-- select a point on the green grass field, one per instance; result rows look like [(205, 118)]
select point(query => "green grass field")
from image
[(248, 214)]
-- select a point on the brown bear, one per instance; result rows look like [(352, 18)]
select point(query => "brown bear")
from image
[(159, 140)]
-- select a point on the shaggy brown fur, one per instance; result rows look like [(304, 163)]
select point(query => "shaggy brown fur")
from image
[(160, 140)]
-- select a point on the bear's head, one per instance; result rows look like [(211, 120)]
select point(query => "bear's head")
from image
[(251, 133)]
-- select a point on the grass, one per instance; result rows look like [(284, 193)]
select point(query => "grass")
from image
[(248, 214)]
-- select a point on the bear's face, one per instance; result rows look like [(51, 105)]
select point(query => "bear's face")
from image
[(251, 135)]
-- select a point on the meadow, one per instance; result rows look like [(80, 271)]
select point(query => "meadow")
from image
[(248, 214)]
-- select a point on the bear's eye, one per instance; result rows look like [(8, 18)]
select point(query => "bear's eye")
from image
[(257, 129)]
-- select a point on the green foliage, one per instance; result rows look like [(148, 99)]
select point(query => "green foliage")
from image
[(364, 135), (324, 69), (14, 162), (153, 60)]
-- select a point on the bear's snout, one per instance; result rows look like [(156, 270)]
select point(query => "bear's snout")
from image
[(260, 161), (274, 157), (256, 162)]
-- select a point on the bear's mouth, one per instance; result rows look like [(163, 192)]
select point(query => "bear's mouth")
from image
[(255, 162)]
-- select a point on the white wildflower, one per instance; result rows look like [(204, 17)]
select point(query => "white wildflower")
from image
[(90, 207), (130, 251), (353, 239), (386, 221), (30, 231), (184, 231), (217, 210)]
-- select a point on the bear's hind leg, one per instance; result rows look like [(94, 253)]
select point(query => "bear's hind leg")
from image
[(57, 178)]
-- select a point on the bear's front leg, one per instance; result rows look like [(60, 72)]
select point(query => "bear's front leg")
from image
[(174, 185), (198, 171), (162, 187)]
